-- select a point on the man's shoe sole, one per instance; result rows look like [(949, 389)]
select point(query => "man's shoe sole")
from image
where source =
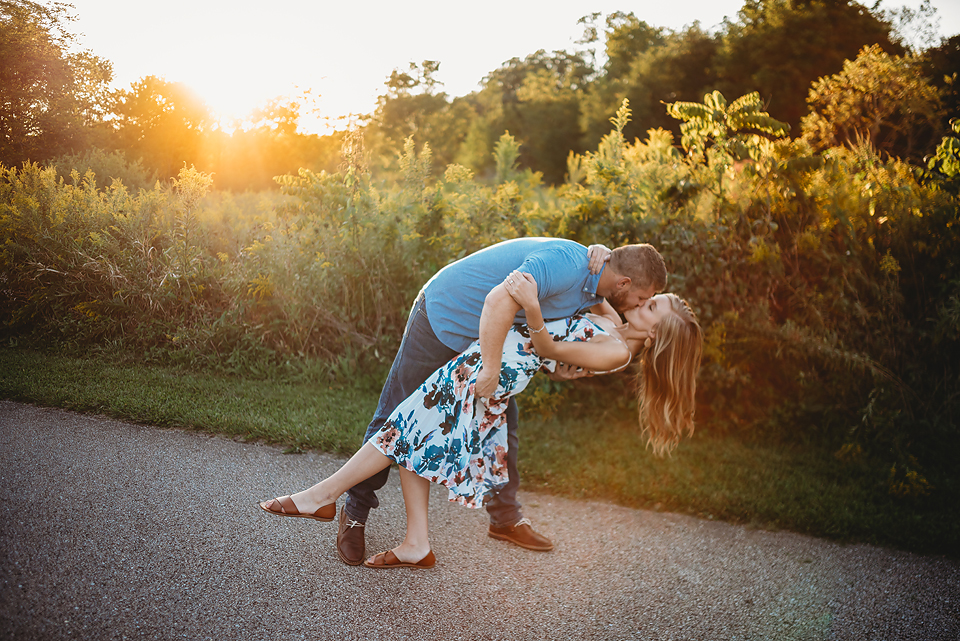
[(509, 539)]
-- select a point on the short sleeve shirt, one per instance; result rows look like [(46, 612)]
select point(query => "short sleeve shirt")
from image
[(455, 295)]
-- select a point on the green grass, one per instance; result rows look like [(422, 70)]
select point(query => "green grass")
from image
[(300, 415), (581, 455), (801, 489)]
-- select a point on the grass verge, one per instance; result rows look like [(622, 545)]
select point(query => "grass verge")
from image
[(299, 415), (802, 489), (798, 488)]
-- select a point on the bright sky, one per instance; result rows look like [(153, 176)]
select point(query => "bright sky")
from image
[(238, 54)]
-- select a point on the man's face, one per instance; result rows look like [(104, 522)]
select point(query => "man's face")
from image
[(627, 298)]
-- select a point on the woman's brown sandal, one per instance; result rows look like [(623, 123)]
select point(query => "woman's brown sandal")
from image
[(388, 559), (284, 506)]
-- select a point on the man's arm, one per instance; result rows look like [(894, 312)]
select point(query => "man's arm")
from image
[(564, 372), (499, 310)]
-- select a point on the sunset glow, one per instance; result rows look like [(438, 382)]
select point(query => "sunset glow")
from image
[(239, 55)]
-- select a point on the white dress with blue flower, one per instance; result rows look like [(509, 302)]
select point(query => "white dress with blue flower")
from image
[(445, 434)]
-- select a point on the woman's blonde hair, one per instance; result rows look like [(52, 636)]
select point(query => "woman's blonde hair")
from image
[(668, 378)]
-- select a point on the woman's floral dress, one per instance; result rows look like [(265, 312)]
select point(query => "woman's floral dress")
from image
[(445, 434)]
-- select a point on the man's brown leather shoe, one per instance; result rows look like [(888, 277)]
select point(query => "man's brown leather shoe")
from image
[(350, 544), (522, 534)]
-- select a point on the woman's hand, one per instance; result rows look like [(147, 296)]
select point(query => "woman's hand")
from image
[(523, 288), (597, 255)]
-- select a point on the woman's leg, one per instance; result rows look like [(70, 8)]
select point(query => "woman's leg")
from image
[(416, 498), (366, 462)]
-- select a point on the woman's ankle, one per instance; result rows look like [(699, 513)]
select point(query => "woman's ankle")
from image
[(407, 551), (315, 496)]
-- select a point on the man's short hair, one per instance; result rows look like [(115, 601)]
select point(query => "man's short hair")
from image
[(642, 264)]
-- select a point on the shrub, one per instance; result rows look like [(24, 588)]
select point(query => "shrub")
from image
[(107, 167)]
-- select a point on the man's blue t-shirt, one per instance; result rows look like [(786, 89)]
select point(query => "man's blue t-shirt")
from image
[(455, 295)]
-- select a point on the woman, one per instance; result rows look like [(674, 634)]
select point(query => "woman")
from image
[(443, 433)]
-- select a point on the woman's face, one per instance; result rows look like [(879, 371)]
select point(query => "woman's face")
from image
[(649, 313)]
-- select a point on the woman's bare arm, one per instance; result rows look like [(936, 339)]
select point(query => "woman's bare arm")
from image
[(602, 353)]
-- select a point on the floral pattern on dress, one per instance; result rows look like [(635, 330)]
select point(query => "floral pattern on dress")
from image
[(445, 434)]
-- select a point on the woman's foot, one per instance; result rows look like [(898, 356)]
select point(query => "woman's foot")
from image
[(288, 506), (401, 557)]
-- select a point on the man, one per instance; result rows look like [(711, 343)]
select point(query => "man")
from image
[(466, 300)]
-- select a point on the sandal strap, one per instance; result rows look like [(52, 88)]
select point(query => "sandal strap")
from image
[(289, 507), (380, 558)]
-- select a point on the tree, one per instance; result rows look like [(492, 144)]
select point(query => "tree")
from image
[(913, 29), (674, 66), (878, 98), (280, 115), (625, 38), (778, 47), (537, 100), (52, 101), (414, 107), (267, 144), (548, 114), (941, 64), (164, 123)]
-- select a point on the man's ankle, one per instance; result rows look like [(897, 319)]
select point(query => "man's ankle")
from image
[(510, 522), (354, 516)]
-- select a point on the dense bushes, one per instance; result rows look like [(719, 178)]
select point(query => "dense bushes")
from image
[(827, 283)]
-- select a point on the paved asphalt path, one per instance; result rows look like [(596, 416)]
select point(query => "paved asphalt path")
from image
[(120, 531)]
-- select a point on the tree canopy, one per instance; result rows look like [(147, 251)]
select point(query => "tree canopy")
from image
[(877, 98), (52, 100), (57, 102)]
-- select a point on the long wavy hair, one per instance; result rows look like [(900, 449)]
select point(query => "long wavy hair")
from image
[(667, 381)]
